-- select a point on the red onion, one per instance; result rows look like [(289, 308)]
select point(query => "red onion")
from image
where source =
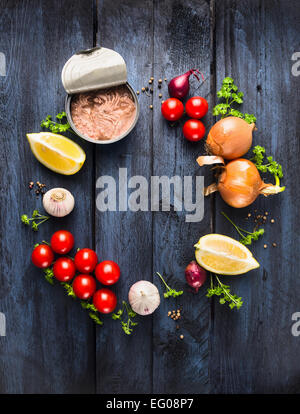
[(195, 275), (179, 87)]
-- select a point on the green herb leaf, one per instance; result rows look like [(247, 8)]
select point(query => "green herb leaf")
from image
[(56, 127), (225, 295), (170, 292), (25, 219), (230, 94), (49, 276), (69, 289), (88, 306), (126, 325), (247, 236), (36, 216), (272, 166), (95, 318)]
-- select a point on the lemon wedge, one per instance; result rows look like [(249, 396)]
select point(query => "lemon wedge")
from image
[(224, 255), (58, 153)]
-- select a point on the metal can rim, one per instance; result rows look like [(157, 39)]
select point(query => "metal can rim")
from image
[(105, 142)]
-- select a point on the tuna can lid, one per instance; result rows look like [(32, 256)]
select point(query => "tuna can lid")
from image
[(92, 69)]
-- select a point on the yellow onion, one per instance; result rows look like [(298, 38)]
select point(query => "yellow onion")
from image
[(240, 184), (230, 138)]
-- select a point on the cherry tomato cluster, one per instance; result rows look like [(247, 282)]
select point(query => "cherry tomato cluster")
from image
[(85, 262), (172, 110)]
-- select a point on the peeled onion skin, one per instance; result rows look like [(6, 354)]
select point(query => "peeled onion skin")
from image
[(240, 184), (230, 138)]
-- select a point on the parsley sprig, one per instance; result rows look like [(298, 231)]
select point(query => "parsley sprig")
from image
[(127, 325), (170, 292), (35, 220), (271, 167), (223, 291), (54, 126), (49, 276), (247, 236), (93, 312), (230, 94)]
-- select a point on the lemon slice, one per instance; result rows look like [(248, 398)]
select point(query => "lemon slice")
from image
[(224, 255), (58, 153)]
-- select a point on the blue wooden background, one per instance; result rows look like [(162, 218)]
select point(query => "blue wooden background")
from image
[(51, 346)]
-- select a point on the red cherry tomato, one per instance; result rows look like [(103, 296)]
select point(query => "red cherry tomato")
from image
[(64, 269), (193, 130), (105, 300), (196, 107), (42, 256), (62, 241), (172, 109), (107, 272), (85, 260), (84, 286)]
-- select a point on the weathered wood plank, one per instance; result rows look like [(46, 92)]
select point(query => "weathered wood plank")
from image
[(181, 42), (48, 347), (253, 349), (124, 363)]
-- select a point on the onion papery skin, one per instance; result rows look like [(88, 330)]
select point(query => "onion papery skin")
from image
[(240, 183), (230, 137)]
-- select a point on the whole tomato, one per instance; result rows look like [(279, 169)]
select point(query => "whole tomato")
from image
[(84, 286), (172, 109), (64, 269), (193, 130), (196, 107), (85, 260), (42, 256), (107, 272), (105, 300), (62, 241)]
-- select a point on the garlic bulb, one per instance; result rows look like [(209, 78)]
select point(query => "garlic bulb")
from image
[(144, 297), (58, 202)]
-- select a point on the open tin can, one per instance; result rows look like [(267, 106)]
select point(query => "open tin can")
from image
[(99, 70)]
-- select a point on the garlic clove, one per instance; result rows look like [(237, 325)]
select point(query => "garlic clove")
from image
[(144, 297), (58, 202)]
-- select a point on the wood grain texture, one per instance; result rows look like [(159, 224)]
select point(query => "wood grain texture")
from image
[(48, 346), (124, 363), (253, 349), (181, 42), (51, 346)]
